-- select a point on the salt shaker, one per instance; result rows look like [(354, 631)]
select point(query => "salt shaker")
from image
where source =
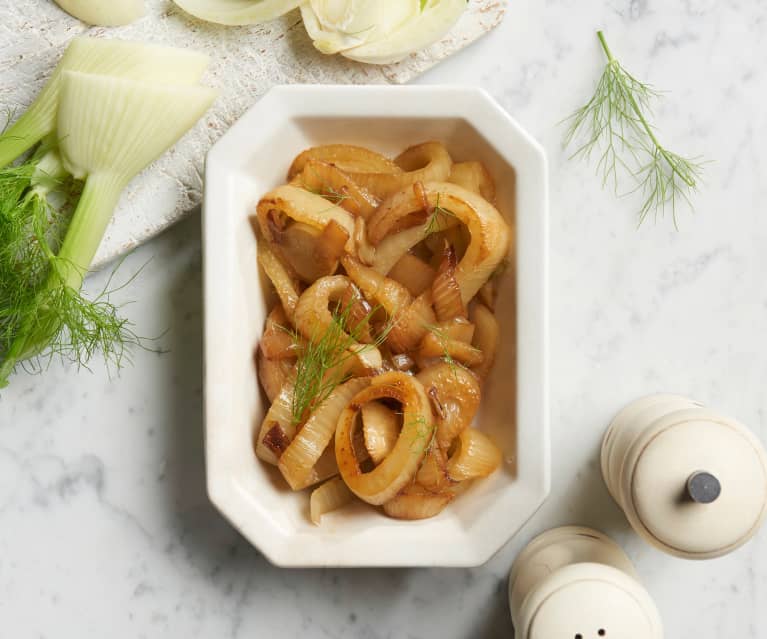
[(576, 583), (691, 482)]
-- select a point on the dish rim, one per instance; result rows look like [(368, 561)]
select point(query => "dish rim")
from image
[(531, 225)]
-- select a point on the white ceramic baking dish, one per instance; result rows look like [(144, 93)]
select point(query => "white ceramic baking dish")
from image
[(252, 158)]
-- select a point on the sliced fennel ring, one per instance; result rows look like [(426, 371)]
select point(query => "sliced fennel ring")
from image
[(237, 12), (104, 13)]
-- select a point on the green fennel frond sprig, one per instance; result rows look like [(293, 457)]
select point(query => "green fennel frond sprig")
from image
[(320, 368), (34, 303), (424, 435), (436, 222), (443, 339), (333, 195), (615, 122), (78, 328)]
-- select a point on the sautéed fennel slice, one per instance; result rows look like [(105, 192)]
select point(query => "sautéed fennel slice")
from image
[(374, 356)]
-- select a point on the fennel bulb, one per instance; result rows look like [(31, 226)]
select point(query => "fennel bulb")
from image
[(430, 25), (375, 32), (108, 128), (337, 25), (150, 63)]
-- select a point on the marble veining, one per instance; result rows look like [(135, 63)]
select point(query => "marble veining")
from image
[(105, 528)]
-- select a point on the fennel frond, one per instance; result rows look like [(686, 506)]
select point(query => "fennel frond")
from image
[(436, 221), (109, 109), (59, 321), (39, 316), (424, 436), (615, 123), (332, 195), (323, 364), (444, 340)]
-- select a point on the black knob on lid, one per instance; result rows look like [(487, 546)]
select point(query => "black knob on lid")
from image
[(703, 487)]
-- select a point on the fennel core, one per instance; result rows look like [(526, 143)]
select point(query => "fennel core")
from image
[(615, 120)]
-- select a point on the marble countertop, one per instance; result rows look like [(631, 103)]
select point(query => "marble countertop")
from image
[(105, 528)]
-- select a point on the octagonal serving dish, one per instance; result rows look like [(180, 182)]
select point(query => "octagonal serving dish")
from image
[(252, 158)]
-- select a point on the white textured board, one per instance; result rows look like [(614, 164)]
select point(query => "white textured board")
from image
[(246, 62)]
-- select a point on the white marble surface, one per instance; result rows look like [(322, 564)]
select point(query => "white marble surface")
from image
[(105, 530)]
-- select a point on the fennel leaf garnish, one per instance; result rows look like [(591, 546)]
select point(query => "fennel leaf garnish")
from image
[(424, 435), (327, 191), (321, 365), (40, 316), (615, 122), (436, 222), (443, 339)]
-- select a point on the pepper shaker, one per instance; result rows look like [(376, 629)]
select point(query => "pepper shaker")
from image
[(691, 482), (576, 583)]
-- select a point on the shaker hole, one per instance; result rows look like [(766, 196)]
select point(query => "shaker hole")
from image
[(579, 636), (602, 632)]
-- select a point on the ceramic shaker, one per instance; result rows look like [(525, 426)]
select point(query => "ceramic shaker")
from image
[(690, 481), (576, 583)]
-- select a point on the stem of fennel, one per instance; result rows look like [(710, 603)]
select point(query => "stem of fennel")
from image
[(645, 125), (28, 130), (68, 269), (91, 217), (9, 362)]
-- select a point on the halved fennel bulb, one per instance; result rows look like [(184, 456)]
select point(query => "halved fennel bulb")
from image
[(237, 12), (108, 130), (104, 13), (130, 60), (103, 126), (338, 25), (430, 25)]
